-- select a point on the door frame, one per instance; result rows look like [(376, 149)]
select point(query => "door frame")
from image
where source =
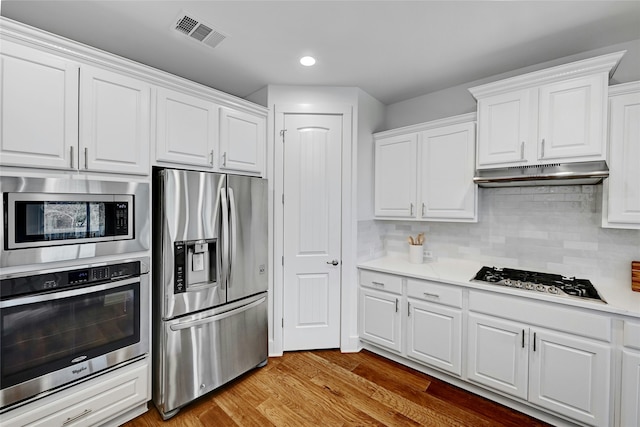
[(348, 302)]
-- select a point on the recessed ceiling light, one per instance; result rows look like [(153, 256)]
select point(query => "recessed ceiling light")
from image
[(307, 61)]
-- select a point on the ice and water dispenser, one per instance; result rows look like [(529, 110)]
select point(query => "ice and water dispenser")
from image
[(195, 264)]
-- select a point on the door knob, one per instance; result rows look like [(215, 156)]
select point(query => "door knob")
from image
[(334, 262)]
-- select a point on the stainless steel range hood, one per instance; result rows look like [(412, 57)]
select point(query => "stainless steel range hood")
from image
[(551, 174)]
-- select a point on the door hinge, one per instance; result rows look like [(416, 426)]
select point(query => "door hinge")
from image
[(283, 322), (283, 260), (283, 198), (282, 134)]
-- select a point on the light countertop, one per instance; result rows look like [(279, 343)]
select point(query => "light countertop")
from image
[(619, 296)]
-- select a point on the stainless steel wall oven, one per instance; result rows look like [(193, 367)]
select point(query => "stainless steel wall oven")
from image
[(74, 285), (61, 326), (55, 219)]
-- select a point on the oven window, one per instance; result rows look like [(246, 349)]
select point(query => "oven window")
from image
[(60, 220), (42, 337)]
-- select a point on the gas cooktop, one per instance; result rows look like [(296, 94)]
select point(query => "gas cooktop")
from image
[(554, 284)]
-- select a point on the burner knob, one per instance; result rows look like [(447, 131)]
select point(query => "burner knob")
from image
[(508, 282), (541, 288), (554, 290), (518, 284), (530, 286)]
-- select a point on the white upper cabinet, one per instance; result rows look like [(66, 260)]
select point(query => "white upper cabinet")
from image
[(242, 142), (185, 128), (38, 109), (573, 119), (57, 114), (395, 176), (621, 198), (552, 115), (446, 184), (114, 122), (425, 172), (504, 131)]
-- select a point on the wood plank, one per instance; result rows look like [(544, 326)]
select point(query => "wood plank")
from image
[(329, 388)]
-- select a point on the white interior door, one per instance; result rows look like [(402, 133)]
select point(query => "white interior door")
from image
[(312, 233)]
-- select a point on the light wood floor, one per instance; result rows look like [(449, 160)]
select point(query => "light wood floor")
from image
[(327, 388)]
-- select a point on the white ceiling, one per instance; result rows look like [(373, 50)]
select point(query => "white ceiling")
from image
[(394, 50)]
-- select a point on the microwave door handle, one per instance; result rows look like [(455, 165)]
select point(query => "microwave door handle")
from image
[(216, 317), (233, 243), (225, 233)]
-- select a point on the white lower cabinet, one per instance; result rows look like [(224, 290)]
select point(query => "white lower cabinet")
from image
[(630, 376), (570, 375), (380, 318), (434, 325), (630, 401), (434, 335), (567, 374), (99, 401), (496, 354), (554, 358)]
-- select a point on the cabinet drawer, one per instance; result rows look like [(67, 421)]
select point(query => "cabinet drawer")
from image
[(89, 403), (435, 292), (631, 335), (381, 281), (549, 315)]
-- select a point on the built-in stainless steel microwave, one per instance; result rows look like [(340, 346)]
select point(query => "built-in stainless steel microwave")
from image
[(53, 219)]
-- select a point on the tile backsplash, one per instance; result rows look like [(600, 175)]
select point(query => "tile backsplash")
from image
[(555, 229)]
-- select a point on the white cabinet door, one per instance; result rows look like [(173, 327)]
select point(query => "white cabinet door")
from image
[(506, 134), (242, 141), (622, 190), (497, 354), (570, 375), (630, 398), (572, 119), (114, 122), (380, 319), (395, 176), (38, 109), (434, 335), (185, 128), (447, 160)]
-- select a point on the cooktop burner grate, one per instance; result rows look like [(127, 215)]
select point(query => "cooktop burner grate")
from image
[(554, 284)]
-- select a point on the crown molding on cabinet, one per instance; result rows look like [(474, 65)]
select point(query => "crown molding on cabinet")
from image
[(604, 63), (420, 127), (623, 88), (60, 46)]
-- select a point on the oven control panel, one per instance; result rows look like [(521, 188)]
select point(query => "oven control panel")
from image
[(46, 282)]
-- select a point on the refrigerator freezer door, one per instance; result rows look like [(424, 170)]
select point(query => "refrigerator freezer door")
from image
[(248, 237), (205, 350), (189, 222)]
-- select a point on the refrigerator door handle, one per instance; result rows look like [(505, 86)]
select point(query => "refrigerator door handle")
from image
[(216, 317), (233, 219), (225, 236)]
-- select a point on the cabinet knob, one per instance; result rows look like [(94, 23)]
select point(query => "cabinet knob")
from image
[(411, 209), (522, 151), (542, 149), (71, 156)]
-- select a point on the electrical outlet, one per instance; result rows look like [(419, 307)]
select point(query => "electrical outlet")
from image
[(428, 255)]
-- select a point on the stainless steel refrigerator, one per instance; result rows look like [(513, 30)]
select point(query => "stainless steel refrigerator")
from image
[(209, 282)]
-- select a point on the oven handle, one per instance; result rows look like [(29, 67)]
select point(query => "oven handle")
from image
[(216, 317), (66, 294)]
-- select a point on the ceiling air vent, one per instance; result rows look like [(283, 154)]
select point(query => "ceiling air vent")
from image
[(198, 30)]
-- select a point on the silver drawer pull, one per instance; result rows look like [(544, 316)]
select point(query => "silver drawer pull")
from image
[(428, 295), (72, 419), (378, 284)]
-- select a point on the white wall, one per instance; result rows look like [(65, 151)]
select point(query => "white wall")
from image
[(370, 120), (457, 100)]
